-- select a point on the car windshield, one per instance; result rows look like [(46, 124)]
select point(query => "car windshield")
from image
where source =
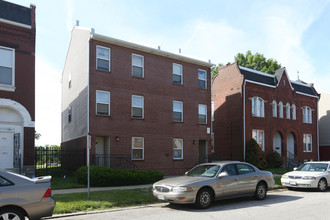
[(204, 171), (313, 167)]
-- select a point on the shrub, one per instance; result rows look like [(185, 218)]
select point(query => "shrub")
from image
[(274, 160), (104, 176), (255, 155)]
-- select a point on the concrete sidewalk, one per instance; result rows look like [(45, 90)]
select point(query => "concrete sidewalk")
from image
[(93, 189)]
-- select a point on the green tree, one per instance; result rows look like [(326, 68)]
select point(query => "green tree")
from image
[(215, 69), (257, 62), (255, 155)]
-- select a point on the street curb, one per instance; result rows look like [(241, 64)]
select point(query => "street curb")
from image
[(104, 211)]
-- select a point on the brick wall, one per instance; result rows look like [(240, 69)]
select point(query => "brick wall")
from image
[(157, 127)]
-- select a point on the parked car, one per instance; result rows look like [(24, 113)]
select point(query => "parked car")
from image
[(22, 197), (309, 175), (214, 181)]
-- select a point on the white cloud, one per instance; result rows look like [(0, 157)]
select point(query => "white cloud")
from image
[(69, 15), (48, 103)]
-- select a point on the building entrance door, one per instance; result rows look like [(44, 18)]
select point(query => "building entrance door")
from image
[(277, 143), (6, 150)]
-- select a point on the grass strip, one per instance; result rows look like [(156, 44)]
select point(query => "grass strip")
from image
[(77, 202)]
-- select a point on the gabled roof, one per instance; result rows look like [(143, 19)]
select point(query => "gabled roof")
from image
[(272, 80), (15, 13)]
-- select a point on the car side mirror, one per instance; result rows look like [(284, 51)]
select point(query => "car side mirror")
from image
[(223, 174)]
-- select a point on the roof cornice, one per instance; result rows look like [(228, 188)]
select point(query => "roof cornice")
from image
[(149, 50)]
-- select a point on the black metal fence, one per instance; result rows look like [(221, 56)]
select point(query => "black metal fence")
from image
[(57, 161), (114, 161)]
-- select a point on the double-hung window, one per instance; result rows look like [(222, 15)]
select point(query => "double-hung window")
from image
[(137, 65), (102, 103), (288, 110), (202, 114), (102, 58), (307, 114), (258, 107), (202, 79), (259, 137), (177, 111), (7, 66), (307, 143), (177, 148), (177, 74), (137, 148), (137, 106)]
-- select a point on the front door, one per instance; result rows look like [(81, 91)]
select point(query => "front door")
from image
[(6, 150), (277, 143), (202, 151), (99, 151)]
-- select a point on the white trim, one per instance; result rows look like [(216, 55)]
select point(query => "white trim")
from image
[(12, 86), (102, 91), (107, 48), (181, 148), (137, 96), (15, 23), (258, 83), (256, 71), (177, 111), (24, 113), (313, 96), (135, 148), (202, 79), (202, 114)]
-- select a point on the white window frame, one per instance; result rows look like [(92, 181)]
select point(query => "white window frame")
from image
[(200, 106), (180, 74), (256, 137), (102, 102), (8, 87), (258, 107), (175, 110), (288, 111), (294, 112), (199, 78), (138, 106), (308, 143), (307, 115), (180, 149), (141, 66), (280, 106), (101, 58), (134, 148), (274, 107)]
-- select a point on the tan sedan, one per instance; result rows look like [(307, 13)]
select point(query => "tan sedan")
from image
[(22, 197), (214, 181)]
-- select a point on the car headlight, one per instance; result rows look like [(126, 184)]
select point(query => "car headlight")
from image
[(309, 178), (181, 189), (284, 176)]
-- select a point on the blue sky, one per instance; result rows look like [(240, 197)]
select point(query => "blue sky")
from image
[(295, 33)]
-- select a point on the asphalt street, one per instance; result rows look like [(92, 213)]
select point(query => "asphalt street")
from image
[(279, 205)]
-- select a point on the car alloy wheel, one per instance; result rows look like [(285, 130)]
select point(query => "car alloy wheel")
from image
[(204, 199), (11, 214), (322, 185), (261, 191)]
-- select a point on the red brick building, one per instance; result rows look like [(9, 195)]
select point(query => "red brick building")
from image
[(17, 86), (281, 115), (149, 107)]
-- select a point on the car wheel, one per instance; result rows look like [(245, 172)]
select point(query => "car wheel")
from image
[(322, 185), (11, 214), (261, 191), (204, 199)]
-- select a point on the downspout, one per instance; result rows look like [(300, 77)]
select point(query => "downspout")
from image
[(317, 130), (88, 137), (244, 145)]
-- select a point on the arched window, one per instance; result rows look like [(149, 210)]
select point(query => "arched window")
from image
[(307, 115), (258, 107), (274, 105), (294, 115), (280, 106), (288, 110)]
